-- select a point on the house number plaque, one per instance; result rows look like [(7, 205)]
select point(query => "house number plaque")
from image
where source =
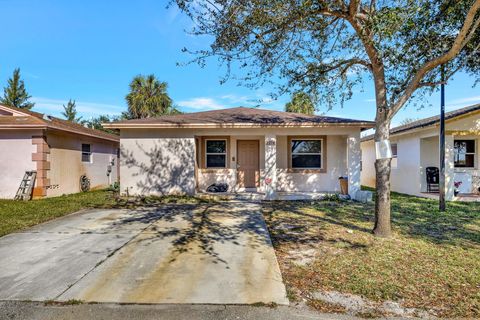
[(270, 143)]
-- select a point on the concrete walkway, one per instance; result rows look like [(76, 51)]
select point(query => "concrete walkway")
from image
[(209, 253)]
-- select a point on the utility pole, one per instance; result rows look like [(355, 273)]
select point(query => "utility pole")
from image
[(441, 188)]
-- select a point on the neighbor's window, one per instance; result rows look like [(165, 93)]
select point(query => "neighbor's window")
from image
[(306, 153), (394, 162), (464, 153), (216, 153), (86, 152), (394, 150)]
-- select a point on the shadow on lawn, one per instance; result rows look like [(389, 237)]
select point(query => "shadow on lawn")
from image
[(411, 216), (199, 228), (420, 218)]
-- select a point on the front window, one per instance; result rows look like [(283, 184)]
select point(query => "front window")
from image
[(86, 152), (464, 153), (306, 153), (216, 153)]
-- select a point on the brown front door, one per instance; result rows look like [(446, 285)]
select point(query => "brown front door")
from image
[(248, 163)]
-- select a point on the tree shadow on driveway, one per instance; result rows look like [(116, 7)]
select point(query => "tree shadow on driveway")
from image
[(202, 227)]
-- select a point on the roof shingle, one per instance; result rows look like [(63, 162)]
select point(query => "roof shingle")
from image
[(240, 115), (38, 120), (422, 123)]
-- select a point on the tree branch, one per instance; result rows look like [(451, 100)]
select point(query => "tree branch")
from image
[(430, 84), (466, 33)]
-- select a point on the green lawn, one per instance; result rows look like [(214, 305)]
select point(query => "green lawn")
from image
[(431, 263), (18, 215)]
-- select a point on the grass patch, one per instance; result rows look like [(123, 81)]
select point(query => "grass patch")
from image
[(432, 262), (18, 215), (71, 302)]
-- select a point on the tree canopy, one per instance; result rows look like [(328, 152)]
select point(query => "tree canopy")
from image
[(328, 48), (300, 103), (148, 98), (15, 94), (70, 112), (96, 123)]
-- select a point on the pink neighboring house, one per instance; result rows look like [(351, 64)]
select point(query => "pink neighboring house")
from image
[(58, 150)]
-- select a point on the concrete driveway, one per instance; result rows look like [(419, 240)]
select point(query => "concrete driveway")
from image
[(217, 253)]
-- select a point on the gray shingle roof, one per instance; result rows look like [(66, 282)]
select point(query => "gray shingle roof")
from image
[(242, 115), (422, 123)]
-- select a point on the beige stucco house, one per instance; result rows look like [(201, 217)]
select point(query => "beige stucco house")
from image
[(58, 150), (415, 147), (250, 149)]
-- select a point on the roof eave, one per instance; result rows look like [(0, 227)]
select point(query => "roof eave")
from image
[(363, 125), (114, 139), (22, 126)]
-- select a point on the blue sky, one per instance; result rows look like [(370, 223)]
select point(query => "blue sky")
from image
[(90, 50)]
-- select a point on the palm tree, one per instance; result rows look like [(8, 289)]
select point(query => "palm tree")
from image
[(301, 103), (148, 98)]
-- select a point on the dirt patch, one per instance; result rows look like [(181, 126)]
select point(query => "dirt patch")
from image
[(356, 305)]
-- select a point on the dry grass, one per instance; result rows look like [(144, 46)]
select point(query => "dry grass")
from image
[(432, 262)]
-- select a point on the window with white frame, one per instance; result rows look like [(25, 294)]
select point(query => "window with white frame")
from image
[(464, 153), (216, 153), (86, 152), (306, 153)]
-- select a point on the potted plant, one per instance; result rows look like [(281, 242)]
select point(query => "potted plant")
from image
[(456, 185)]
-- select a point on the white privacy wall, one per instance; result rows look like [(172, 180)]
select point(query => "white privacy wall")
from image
[(156, 164), (405, 176), (368, 164)]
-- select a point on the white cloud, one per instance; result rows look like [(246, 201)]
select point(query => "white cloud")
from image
[(85, 109), (462, 102), (228, 101), (465, 100), (201, 103), (233, 98)]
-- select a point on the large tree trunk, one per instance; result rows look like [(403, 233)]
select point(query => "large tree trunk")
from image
[(383, 168)]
